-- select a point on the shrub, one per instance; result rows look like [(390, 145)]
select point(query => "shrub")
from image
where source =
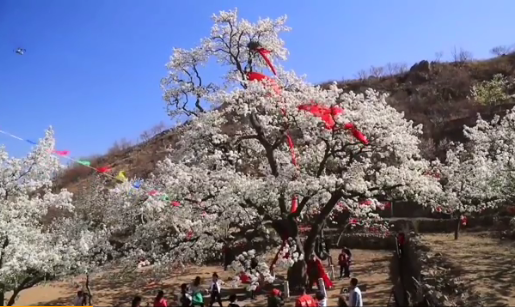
[(491, 92)]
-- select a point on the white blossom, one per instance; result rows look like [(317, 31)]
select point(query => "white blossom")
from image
[(231, 170), (38, 238), (479, 174)]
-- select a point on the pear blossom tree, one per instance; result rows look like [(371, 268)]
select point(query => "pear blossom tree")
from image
[(469, 184), (233, 163), (92, 227), (480, 173), (33, 245)]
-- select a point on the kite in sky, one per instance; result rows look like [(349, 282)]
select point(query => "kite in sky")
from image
[(20, 51)]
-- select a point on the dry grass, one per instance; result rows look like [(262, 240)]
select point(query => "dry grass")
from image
[(482, 262), (114, 288)]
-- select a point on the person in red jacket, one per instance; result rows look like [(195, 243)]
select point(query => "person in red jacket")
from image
[(401, 240), (344, 263), (305, 300)]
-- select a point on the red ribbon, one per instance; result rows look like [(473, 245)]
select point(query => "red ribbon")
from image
[(264, 54)]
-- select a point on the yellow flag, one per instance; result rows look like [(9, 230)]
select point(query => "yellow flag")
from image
[(121, 176)]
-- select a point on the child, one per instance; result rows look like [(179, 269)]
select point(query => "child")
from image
[(321, 298), (186, 298), (136, 301), (342, 262), (215, 291), (160, 300), (79, 299), (232, 300), (275, 299), (196, 291)]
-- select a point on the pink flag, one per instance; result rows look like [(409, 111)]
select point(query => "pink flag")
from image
[(62, 152)]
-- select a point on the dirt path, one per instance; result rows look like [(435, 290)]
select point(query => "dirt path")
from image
[(113, 288), (485, 263)]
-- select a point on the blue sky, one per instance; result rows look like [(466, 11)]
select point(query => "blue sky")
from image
[(92, 68)]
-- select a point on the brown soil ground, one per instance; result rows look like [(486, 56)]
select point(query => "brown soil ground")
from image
[(112, 288), (482, 262)]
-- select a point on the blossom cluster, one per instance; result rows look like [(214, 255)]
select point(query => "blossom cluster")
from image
[(255, 274), (41, 234)]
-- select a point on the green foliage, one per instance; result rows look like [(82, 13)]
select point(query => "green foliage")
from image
[(492, 92)]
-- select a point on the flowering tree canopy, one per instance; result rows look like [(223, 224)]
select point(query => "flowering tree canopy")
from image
[(232, 171), (479, 174), (33, 245)]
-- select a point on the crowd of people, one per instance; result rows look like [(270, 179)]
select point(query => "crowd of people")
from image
[(192, 295)]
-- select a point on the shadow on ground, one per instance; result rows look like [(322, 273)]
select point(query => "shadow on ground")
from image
[(485, 264)]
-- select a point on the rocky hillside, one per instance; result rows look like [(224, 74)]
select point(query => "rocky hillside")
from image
[(434, 94)]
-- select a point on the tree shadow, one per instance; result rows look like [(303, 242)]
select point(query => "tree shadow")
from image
[(484, 264), (115, 288)]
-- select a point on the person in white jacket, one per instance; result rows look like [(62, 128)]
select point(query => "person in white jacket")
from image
[(355, 298), (215, 290), (321, 298)]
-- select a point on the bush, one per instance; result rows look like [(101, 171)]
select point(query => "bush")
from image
[(493, 92)]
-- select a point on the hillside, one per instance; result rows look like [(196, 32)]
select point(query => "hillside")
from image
[(434, 94)]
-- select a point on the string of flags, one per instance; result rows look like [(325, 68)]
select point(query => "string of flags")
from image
[(104, 170)]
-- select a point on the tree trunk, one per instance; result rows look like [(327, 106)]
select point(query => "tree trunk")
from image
[(297, 276), (2, 298), (457, 229), (12, 299), (89, 297)]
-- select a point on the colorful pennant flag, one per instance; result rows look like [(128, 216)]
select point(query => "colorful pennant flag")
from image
[(63, 153), (84, 162), (104, 169), (121, 177)]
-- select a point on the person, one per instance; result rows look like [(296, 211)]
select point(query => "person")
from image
[(349, 261), (348, 252), (321, 298), (160, 300), (79, 299), (232, 301), (401, 239), (275, 299), (186, 298), (341, 301), (355, 298), (305, 300), (85, 299), (312, 271), (215, 290), (136, 301), (342, 262), (196, 292)]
